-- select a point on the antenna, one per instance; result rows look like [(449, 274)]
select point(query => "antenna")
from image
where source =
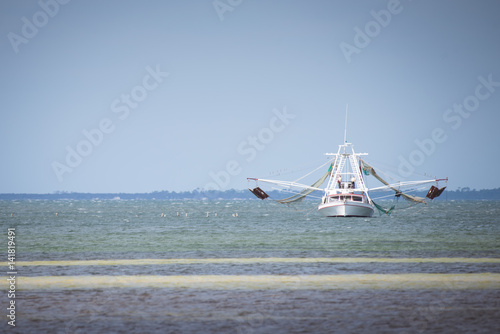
[(345, 128)]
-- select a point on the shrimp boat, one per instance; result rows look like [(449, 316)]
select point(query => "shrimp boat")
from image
[(346, 193)]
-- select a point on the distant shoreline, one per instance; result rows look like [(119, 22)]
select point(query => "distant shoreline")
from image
[(461, 194)]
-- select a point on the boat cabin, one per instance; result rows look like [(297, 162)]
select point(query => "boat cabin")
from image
[(345, 197)]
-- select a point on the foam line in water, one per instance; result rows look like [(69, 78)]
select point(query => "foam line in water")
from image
[(130, 262), (251, 282)]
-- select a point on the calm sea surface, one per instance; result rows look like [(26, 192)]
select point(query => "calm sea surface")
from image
[(121, 266)]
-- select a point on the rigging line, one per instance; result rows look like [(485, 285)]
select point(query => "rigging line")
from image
[(423, 208), (410, 206), (301, 168), (293, 192), (380, 171), (285, 191), (300, 178), (391, 195), (414, 172), (309, 212)]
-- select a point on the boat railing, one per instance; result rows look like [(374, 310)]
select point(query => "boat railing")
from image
[(347, 185)]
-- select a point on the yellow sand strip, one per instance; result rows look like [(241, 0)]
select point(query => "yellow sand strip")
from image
[(256, 261), (228, 282)]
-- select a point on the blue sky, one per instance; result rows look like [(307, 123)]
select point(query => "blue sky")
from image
[(138, 96)]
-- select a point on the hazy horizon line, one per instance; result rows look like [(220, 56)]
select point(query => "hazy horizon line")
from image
[(60, 192)]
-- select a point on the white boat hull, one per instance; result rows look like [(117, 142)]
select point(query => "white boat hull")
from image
[(346, 209)]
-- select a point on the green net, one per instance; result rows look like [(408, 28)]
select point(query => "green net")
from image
[(382, 210), (367, 168), (300, 196)]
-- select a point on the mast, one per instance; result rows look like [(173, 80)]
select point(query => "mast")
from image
[(345, 126)]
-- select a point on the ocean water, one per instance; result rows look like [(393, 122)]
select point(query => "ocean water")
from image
[(124, 266)]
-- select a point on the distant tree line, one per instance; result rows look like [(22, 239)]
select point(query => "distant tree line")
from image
[(159, 195), (471, 194), (197, 194)]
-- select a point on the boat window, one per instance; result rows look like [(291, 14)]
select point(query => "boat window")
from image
[(357, 199)]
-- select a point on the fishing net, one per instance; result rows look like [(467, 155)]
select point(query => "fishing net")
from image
[(300, 196)]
